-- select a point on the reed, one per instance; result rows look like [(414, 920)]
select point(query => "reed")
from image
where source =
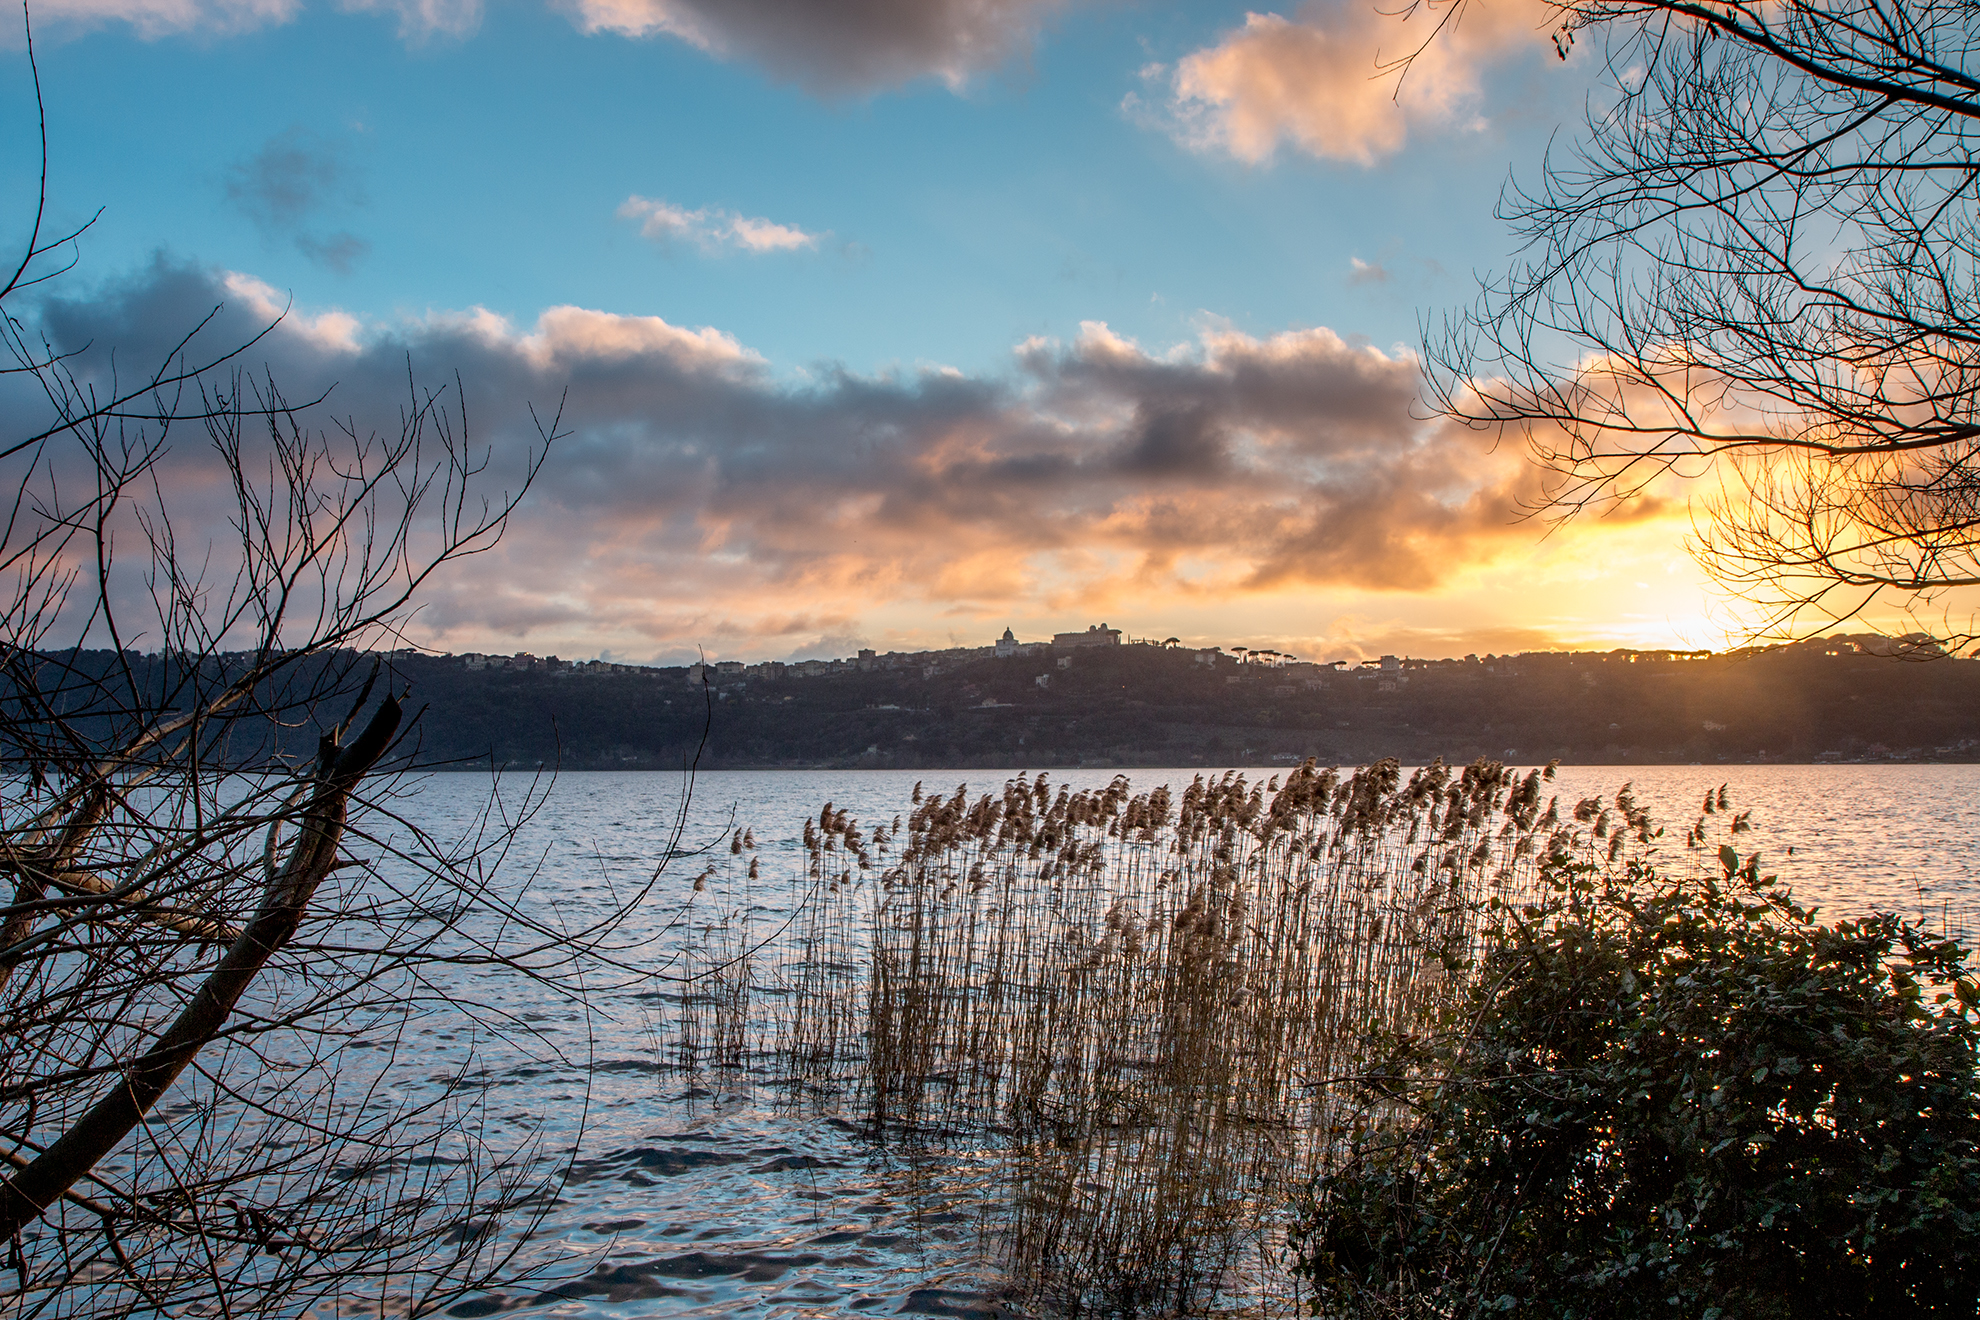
[(715, 1032), (1146, 1004)]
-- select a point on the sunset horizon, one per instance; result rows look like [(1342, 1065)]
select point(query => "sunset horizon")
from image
[(886, 333)]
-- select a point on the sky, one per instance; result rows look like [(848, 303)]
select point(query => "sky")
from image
[(881, 323)]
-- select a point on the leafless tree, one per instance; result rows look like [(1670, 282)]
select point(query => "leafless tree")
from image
[(1758, 266), (217, 922)]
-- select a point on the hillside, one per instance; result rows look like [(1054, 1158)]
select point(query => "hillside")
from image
[(1146, 705)]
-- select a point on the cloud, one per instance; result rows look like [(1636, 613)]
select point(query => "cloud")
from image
[(418, 20), (697, 493), (712, 229), (283, 187), (1326, 83), (850, 47), (1363, 272), (423, 20), (338, 252), (1353, 638), (853, 46), (829, 645), (152, 19)]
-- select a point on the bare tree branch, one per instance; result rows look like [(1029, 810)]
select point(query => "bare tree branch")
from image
[(206, 1005), (1761, 261)]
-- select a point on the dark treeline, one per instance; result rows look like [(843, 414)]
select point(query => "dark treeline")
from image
[(83, 703), (1144, 705)]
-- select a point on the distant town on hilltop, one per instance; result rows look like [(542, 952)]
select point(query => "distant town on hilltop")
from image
[(1099, 634), (1097, 697)]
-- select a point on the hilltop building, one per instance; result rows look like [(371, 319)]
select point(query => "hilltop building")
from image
[(1008, 645), (1097, 635)]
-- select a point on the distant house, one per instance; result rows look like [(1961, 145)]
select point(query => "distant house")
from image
[(1007, 645), (1098, 635)]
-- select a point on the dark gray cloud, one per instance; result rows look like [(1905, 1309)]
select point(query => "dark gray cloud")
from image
[(848, 46), (288, 187), (835, 47), (339, 251), (696, 495)]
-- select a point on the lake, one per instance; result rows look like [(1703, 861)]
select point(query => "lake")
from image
[(688, 1201)]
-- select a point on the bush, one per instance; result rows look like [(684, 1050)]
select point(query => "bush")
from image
[(1671, 1098)]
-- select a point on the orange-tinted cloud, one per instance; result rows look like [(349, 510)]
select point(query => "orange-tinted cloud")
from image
[(712, 229), (1326, 83), (696, 490)]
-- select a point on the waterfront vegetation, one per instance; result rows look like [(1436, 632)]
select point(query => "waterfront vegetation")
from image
[(1467, 1048), (1138, 1002), (1669, 1096)]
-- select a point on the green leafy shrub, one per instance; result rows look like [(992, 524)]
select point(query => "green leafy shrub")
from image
[(1671, 1098)]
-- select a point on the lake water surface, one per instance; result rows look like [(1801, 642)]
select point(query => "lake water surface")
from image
[(689, 1201)]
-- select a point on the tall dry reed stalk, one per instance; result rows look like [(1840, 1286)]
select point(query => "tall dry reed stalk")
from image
[(715, 1032), (1146, 1004)]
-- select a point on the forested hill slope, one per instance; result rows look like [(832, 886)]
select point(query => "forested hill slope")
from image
[(1149, 705), (1141, 705)]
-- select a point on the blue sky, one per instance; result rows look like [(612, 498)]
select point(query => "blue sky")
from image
[(488, 169), (1009, 194)]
